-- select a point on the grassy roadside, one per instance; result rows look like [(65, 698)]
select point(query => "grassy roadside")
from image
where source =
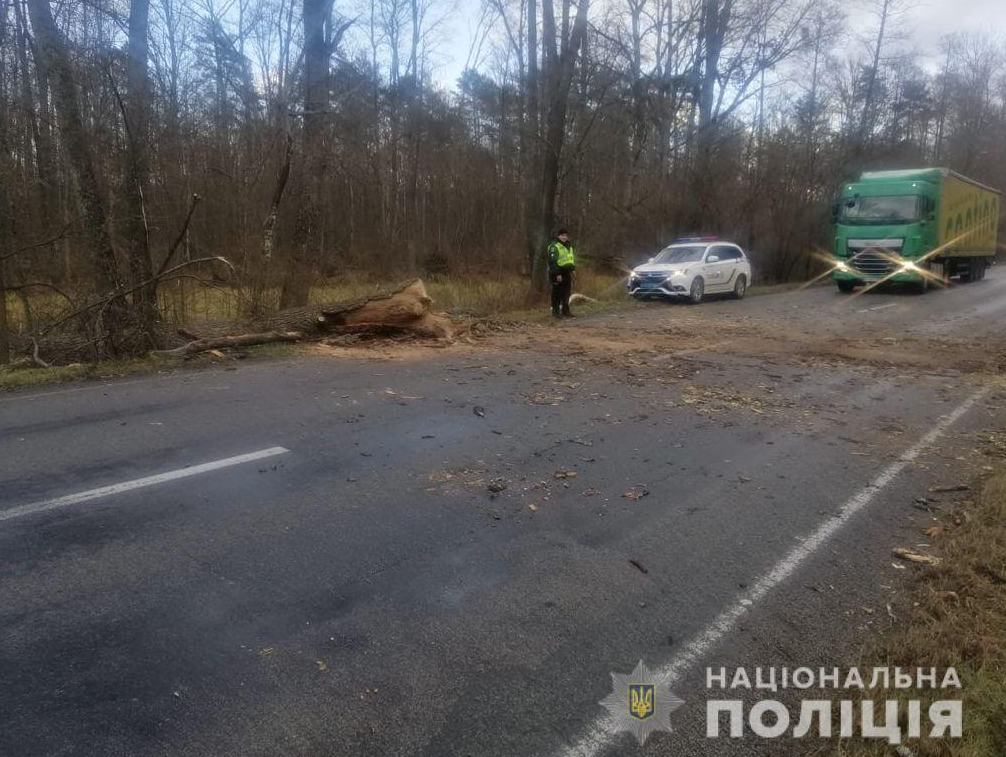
[(25, 377), (955, 616), (505, 297)]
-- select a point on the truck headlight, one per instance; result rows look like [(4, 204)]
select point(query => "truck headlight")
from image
[(841, 265), (907, 266)]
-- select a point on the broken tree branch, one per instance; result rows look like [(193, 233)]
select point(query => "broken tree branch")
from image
[(104, 301), (43, 243), (34, 355), (239, 340), (181, 235)]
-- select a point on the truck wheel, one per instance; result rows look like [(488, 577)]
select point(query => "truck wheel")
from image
[(845, 286), (697, 291), (965, 272), (921, 287), (740, 287)]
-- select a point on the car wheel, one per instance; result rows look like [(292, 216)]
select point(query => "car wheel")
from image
[(845, 286), (740, 287), (697, 291)]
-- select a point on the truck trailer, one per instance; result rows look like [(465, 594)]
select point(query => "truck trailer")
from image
[(914, 226)]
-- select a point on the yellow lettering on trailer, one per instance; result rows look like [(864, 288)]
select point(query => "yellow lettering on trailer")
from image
[(968, 218)]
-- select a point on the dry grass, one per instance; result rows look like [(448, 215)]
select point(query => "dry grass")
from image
[(956, 617), (185, 301), (21, 377)]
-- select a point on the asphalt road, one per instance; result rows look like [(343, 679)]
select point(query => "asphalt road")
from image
[(362, 592)]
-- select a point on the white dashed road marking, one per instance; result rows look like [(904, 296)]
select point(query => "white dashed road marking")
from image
[(138, 483), (877, 307)]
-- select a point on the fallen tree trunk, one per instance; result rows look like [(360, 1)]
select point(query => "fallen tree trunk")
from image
[(239, 340), (405, 310)]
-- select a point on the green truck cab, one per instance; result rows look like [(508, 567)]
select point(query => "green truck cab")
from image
[(914, 226)]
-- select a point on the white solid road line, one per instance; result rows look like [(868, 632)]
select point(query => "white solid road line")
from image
[(600, 733), (138, 483)]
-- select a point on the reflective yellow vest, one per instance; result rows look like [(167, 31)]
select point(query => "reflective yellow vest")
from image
[(564, 257)]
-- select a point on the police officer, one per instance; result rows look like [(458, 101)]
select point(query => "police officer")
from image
[(561, 264)]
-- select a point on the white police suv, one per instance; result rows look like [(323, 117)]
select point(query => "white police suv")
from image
[(692, 268)]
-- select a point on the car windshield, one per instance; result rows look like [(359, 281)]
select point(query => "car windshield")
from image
[(680, 254), (892, 209)]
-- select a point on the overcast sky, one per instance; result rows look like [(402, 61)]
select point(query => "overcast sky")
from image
[(927, 22), (935, 18)]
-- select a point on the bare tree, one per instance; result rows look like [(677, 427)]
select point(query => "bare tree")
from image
[(101, 256), (321, 37), (559, 61), (632, 122), (137, 127)]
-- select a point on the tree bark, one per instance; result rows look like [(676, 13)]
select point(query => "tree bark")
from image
[(136, 169), (715, 21), (559, 69), (6, 241), (530, 140), (260, 276), (314, 159), (865, 124), (101, 256), (239, 340)]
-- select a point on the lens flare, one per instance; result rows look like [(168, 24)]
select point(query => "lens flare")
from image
[(918, 269)]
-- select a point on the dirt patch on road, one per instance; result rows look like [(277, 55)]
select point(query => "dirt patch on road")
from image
[(878, 351), (668, 344), (690, 335)]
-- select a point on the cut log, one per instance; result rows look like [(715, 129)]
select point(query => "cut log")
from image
[(239, 340), (403, 305), (405, 310)]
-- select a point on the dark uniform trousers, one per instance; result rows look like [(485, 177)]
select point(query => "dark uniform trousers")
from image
[(561, 291)]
